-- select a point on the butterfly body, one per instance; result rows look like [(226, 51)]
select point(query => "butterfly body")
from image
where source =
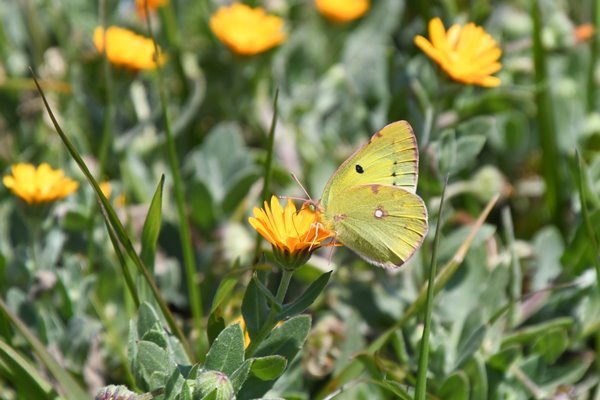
[(370, 202)]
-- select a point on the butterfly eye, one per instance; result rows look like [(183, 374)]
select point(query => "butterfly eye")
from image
[(359, 169)]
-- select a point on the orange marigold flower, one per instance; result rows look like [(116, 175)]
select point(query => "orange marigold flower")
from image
[(39, 185), (152, 5), (292, 232), (468, 54), (584, 32), (126, 48), (342, 10), (245, 30)]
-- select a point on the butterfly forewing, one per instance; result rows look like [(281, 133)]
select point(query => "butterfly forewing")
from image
[(389, 158), (384, 224)]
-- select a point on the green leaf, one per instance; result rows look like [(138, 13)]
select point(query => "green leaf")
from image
[(147, 319), (214, 327), (254, 309), (269, 367), (455, 387), (287, 339), (153, 364), (175, 385), (152, 227), (23, 374), (477, 375), (306, 299), (157, 337), (224, 289), (471, 337), (70, 387), (530, 333), (227, 351), (551, 344), (240, 375), (504, 358)]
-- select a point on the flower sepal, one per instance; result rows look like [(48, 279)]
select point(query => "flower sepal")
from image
[(290, 261)]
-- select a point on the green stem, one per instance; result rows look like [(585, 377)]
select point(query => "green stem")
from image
[(546, 124), (189, 260), (421, 387), (169, 21), (35, 34), (269, 324), (106, 137), (515, 285), (268, 169), (582, 173)]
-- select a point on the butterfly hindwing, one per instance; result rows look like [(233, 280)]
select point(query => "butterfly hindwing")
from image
[(384, 224)]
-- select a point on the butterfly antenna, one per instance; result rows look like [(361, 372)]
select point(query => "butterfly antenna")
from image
[(302, 187)]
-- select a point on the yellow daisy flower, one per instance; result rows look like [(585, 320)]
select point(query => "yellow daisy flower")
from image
[(245, 30), (342, 10), (39, 185), (292, 232), (126, 48), (468, 54)]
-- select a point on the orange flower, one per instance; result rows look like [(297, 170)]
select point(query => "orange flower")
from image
[(342, 10), (291, 232), (152, 5), (584, 32), (467, 54), (39, 185), (247, 31), (126, 48)]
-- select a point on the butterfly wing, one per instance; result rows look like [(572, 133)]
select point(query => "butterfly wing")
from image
[(384, 224), (389, 158)]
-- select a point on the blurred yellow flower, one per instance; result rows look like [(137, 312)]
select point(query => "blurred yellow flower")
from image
[(467, 54), (342, 10), (106, 189), (152, 5), (289, 230), (39, 185), (247, 31), (126, 48)]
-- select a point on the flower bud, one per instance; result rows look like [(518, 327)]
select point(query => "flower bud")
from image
[(209, 381)]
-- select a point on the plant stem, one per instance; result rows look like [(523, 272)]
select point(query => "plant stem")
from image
[(269, 324), (268, 169), (421, 386), (105, 140), (545, 123)]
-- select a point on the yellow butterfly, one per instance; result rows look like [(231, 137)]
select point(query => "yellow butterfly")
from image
[(370, 202)]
